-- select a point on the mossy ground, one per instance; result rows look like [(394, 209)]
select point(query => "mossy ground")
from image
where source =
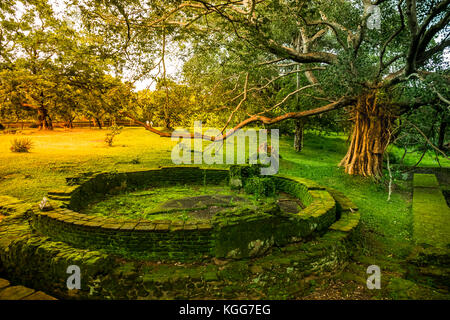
[(182, 202), (160, 203), (384, 236), (431, 221)]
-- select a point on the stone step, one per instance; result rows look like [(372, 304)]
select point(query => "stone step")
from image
[(349, 220), (343, 203), (65, 191), (7, 200), (39, 295), (431, 212), (349, 215), (425, 180), (58, 198), (8, 292), (4, 283)]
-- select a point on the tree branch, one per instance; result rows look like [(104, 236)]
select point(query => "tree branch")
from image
[(342, 102), (426, 138)]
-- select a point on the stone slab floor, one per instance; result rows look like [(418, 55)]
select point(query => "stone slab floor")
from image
[(8, 292), (431, 212)]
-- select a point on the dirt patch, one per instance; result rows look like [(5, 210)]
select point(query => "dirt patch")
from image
[(339, 290), (207, 205), (206, 214), (202, 201)]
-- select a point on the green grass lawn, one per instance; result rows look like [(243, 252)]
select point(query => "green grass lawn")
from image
[(59, 154), (319, 161), (384, 235)]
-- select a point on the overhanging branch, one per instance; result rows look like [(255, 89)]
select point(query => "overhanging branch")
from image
[(341, 103)]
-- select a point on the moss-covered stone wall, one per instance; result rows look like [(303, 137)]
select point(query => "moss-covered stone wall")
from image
[(40, 263), (28, 258), (236, 233), (32, 259), (161, 240)]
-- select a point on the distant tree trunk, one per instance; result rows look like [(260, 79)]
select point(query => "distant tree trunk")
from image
[(69, 123), (98, 122), (369, 139), (299, 123), (298, 135), (167, 123), (442, 132), (44, 119)]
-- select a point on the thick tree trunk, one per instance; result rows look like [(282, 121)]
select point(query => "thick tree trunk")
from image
[(369, 138), (298, 135)]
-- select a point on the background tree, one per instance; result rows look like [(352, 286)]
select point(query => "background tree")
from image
[(52, 70), (362, 69)]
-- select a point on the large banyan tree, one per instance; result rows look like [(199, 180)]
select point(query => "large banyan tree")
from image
[(369, 57)]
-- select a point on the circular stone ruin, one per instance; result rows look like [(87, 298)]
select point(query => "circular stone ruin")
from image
[(240, 215)]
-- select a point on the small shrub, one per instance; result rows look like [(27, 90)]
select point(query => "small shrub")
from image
[(245, 171), (114, 131), (21, 145)]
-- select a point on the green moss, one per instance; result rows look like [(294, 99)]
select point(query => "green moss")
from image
[(425, 180), (244, 229), (260, 187), (235, 271), (431, 215), (401, 289), (106, 277), (146, 204)]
